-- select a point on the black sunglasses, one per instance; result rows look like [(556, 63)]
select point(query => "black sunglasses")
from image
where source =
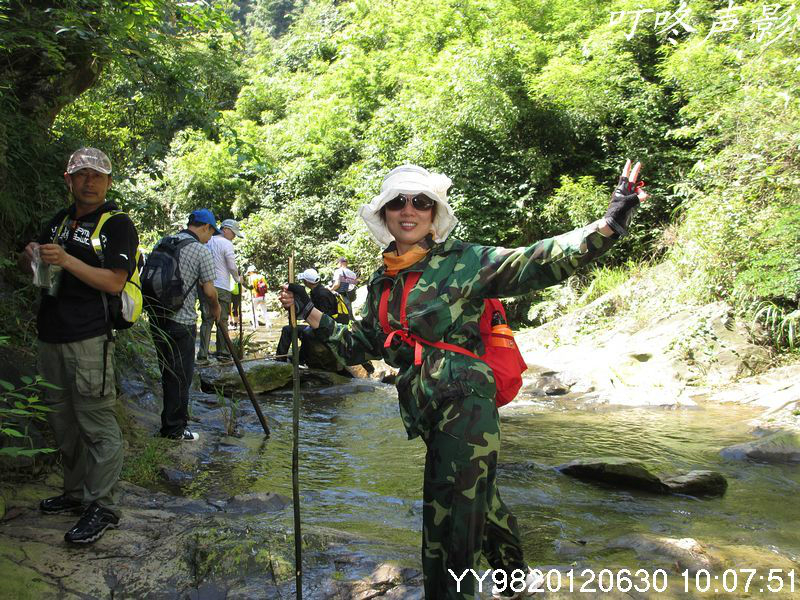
[(419, 201)]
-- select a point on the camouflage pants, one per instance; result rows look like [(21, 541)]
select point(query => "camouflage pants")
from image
[(463, 514)]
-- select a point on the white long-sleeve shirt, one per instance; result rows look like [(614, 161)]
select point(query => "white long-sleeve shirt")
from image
[(224, 262)]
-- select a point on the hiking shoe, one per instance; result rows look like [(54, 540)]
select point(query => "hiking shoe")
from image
[(185, 436), (533, 584), (92, 525), (60, 504)]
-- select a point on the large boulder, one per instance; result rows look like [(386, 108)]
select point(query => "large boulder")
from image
[(263, 376), (632, 474), (621, 472), (777, 391), (656, 359), (776, 447)]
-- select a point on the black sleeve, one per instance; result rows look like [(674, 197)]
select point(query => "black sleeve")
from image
[(324, 300), (120, 242)]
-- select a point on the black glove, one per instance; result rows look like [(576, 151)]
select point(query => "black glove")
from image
[(624, 201), (302, 303)]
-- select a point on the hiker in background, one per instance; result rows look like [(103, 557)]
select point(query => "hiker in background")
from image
[(257, 285), (221, 247), (76, 349), (173, 319), (446, 396), (323, 298), (236, 303), (344, 282)]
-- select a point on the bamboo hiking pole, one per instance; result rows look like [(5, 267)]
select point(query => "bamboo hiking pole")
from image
[(241, 320), (298, 538), (243, 376)]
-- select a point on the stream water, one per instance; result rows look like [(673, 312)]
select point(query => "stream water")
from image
[(359, 474)]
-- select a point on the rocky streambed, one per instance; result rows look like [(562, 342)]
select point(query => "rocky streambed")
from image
[(649, 468)]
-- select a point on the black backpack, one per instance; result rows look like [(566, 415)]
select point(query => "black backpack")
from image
[(162, 284)]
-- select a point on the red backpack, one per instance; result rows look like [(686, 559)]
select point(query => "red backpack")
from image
[(500, 350)]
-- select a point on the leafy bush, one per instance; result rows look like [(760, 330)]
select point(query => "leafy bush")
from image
[(20, 405)]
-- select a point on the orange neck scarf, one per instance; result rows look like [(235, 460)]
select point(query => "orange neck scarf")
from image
[(395, 264)]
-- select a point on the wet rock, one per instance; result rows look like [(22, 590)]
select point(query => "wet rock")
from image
[(569, 549), (756, 557), (632, 474), (263, 376), (777, 391), (684, 553), (544, 383), (655, 362), (257, 502), (316, 378), (697, 483), (386, 581), (378, 370), (171, 475), (404, 592), (555, 389), (777, 447), (339, 391), (621, 472)]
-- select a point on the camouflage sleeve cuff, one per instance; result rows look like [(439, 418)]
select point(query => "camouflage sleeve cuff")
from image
[(586, 238)]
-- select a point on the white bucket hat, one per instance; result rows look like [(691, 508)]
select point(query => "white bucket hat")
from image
[(410, 179)]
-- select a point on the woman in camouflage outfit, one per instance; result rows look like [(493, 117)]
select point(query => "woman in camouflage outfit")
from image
[(448, 398)]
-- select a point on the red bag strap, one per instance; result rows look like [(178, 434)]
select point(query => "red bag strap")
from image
[(404, 334), (383, 306)]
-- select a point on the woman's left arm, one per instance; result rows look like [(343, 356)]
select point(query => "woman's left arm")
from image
[(501, 272)]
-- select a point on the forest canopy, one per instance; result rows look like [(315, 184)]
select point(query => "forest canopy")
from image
[(286, 115)]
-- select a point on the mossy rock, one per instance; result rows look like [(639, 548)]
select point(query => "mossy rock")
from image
[(263, 376), (618, 472), (20, 582)]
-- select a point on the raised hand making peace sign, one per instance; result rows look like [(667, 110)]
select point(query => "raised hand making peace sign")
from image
[(625, 199)]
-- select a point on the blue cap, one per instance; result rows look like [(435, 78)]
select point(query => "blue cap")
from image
[(203, 215)]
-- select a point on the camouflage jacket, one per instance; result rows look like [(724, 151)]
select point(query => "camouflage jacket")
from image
[(446, 305)]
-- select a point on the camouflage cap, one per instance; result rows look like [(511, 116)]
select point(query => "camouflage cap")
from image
[(89, 158)]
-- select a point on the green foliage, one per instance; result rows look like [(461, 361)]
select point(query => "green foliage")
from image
[(575, 203), (137, 106), (305, 227), (20, 404), (782, 326), (52, 53), (530, 106), (739, 238), (143, 462)]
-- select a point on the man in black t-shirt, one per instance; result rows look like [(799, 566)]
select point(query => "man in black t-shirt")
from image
[(75, 344)]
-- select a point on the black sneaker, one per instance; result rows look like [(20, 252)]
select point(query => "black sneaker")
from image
[(60, 504), (92, 525), (185, 436)]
